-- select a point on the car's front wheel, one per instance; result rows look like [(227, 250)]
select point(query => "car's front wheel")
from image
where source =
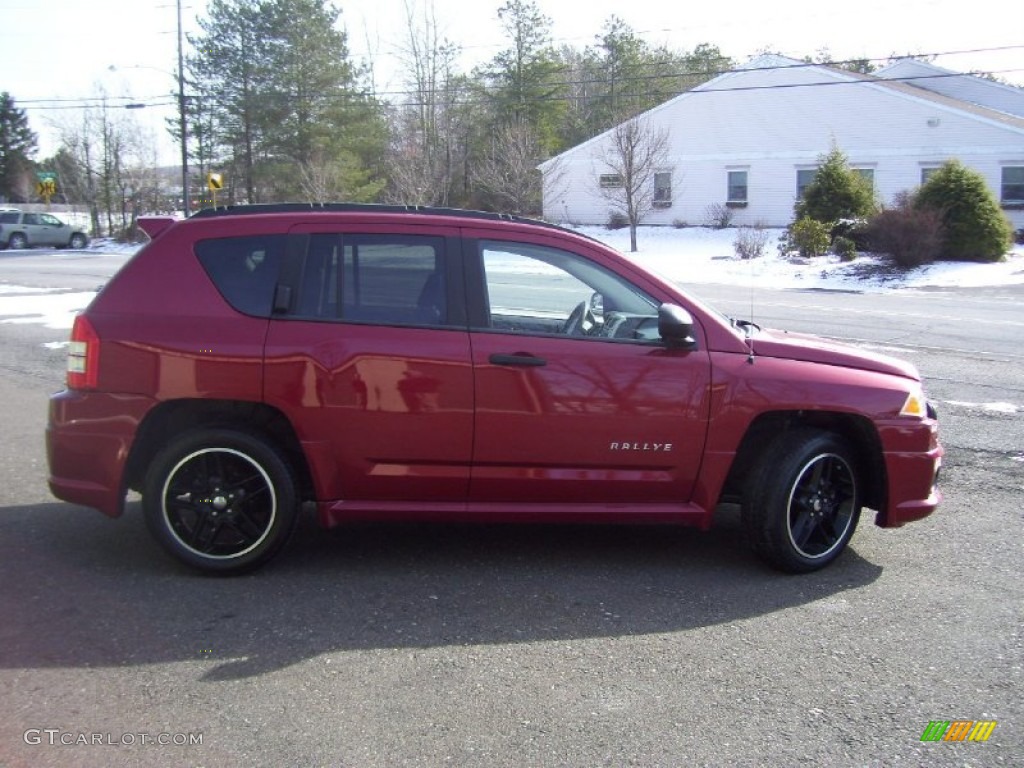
[(802, 503), (78, 241), (220, 500)]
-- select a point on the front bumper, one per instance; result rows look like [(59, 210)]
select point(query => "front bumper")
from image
[(913, 458)]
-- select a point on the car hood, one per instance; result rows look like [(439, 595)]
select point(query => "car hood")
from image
[(814, 349)]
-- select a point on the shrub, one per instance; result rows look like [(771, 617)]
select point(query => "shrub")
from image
[(909, 235), (974, 226), (718, 215), (806, 236), (751, 241), (617, 220), (844, 248), (837, 192)]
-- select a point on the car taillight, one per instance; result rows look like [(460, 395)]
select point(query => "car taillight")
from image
[(83, 355)]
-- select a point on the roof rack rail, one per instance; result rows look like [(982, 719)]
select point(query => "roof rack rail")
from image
[(235, 210)]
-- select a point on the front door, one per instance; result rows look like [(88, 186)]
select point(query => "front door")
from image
[(577, 398)]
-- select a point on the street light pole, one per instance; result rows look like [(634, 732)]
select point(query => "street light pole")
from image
[(184, 126)]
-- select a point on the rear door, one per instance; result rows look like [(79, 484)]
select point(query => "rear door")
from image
[(577, 399), (369, 356)]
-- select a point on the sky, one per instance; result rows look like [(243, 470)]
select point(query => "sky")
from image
[(72, 50)]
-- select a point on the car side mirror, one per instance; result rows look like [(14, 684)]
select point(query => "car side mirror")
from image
[(675, 326)]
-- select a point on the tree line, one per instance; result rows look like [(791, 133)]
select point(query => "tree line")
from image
[(276, 103)]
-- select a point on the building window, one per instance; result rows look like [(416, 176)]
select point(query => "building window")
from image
[(1012, 189), (610, 180), (737, 192), (868, 174), (662, 190), (926, 173), (804, 178)]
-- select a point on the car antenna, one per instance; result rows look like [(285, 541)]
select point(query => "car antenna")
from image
[(750, 329)]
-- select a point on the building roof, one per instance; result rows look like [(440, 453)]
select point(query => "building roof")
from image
[(826, 76)]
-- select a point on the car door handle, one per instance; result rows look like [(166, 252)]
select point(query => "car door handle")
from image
[(521, 360)]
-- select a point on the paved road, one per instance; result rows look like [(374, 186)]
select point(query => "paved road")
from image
[(492, 646)]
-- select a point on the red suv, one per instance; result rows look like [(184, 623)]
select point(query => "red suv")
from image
[(390, 363)]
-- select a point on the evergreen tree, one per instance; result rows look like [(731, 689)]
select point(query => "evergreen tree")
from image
[(837, 192), (231, 72), (974, 226), (523, 81), (286, 108), (17, 145)]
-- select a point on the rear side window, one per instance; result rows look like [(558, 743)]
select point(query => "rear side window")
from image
[(10, 217), (244, 269), (381, 279)]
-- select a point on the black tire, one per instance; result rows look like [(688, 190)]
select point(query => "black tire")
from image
[(78, 241), (220, 500), (17, 241), (802, 502)]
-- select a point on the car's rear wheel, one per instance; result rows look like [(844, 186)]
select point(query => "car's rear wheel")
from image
[(220, 500), (802, 503), (17, 241), (78, 241)]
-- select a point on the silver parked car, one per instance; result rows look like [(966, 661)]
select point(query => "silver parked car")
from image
[(19, 229)]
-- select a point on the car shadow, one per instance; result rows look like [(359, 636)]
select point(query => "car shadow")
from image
[(83, 591)]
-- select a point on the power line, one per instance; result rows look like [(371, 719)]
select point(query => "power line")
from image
[(408, 97)]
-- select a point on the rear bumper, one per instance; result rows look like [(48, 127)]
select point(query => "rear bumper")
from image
[(88, 438), (913, 457)]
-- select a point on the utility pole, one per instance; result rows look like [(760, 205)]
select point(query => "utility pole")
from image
[(184, 123)]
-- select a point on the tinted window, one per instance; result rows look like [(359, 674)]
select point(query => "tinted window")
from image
[(9, 217), (390, 280), (244, 269)]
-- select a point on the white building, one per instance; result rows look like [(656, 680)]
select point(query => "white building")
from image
[(751, 139)]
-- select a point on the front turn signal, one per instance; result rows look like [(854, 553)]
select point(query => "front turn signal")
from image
[(915, 405)]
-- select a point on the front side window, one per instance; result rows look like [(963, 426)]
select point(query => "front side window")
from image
[(536, 290), (1012, 187), (737, 190), (380, 279), (662, 189)]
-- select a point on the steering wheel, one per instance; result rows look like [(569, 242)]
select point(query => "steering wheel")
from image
[(574, 324)]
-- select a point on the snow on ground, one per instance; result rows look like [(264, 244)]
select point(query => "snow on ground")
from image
[(53, 310), (701, 255), (687, 256)]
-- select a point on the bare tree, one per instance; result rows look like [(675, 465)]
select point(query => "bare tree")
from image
[(508, 173), (108, 152), (422, 155), (633, 152)]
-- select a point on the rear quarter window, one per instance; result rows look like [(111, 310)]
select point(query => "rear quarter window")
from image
[(10, 217), (244, 269)]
